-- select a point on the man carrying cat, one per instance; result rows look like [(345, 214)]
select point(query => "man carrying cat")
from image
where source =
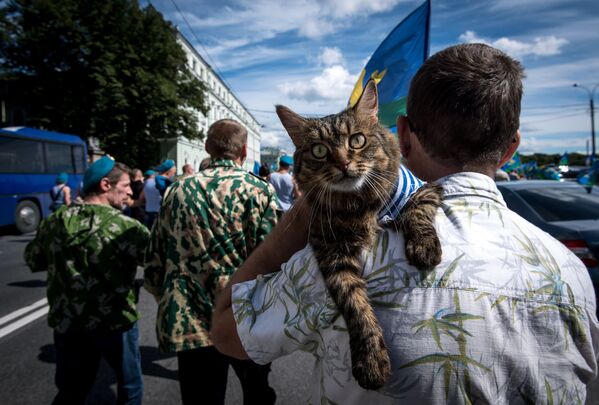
[(208, 225), (508, 316)]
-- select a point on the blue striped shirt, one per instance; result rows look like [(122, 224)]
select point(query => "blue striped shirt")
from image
[(406, 185)]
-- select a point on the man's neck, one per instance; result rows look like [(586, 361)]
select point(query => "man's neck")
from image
[(432, 169), (435, 172), (96, 200), (283, 171)]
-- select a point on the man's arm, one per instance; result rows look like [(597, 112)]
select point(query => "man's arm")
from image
[(289, 236), (154, 262), (34, 254)]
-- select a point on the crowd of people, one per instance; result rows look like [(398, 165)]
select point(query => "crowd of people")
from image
[(507, 317)]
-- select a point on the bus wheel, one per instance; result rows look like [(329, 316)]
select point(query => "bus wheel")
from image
[(27, 216)]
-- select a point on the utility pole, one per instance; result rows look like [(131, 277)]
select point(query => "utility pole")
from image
[(587, 142), (592, 105)]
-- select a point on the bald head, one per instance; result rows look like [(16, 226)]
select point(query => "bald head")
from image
[(187, 169)]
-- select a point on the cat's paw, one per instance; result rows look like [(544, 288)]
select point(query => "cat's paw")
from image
[(424, 251), (372, 368)]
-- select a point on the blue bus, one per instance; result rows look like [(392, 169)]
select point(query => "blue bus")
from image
[(30, 160)]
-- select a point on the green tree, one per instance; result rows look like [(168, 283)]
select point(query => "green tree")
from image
[(102, 68)]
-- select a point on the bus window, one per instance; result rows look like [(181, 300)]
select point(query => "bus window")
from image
[(58, 158), (20, 156), (78, 158)]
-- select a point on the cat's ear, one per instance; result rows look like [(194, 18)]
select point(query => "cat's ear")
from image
[(294, 124), (367, 106)]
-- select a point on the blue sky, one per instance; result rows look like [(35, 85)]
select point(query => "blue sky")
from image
[(307, 54)]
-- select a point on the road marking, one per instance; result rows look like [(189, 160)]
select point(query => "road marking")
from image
[(23, 321), (23, 310)]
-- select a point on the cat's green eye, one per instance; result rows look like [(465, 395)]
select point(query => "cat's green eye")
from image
[(319, 151), (357, 141)]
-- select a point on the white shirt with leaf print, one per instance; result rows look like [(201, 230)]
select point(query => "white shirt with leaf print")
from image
[(508, 317)]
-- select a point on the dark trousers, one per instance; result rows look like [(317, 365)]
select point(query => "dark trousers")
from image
[(78, 357), (149, 219), (203, 378)]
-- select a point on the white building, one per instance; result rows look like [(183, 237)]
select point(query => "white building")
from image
[(223, 104)]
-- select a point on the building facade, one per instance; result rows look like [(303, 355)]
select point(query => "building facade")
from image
[(223, 104), (270, 156)]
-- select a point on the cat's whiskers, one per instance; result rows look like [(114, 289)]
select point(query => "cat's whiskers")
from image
[(330, 211), (380, 191), (380, 194), (316, 207), (296, 211)]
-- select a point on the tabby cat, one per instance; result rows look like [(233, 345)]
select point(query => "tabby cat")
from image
[(347, 164)]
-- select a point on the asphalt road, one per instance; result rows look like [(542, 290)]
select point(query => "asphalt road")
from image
[(28, 359)]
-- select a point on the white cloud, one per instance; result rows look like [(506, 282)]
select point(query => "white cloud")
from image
[(263, 19), (331, 56), (533, 144), (347, 8), (335, 83), (562, 75), (541, 46), (271, 138)]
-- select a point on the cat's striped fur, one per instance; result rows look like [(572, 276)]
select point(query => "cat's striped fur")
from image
[(346, 188)]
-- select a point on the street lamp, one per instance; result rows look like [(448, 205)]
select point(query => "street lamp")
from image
[(591, 103)]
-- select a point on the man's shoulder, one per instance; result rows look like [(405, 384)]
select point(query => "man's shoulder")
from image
[(261, 184), (104, 216)]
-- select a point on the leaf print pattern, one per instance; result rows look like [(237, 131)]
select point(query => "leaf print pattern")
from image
[(508, 317)]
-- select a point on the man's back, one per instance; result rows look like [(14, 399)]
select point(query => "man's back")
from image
[(91, 253), (208, 226), (283, 184), (153, 196), (498, 321)]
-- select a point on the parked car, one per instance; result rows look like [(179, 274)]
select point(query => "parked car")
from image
[(565, 210)]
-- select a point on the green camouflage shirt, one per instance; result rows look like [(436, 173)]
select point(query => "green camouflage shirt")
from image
[(91, 253), (208, 225)]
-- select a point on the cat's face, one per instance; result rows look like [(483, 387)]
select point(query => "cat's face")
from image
[(347, 152)]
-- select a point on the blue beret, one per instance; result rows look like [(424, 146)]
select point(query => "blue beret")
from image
[(62, 178), (166, 165), (96, 172), (287, 160), (150, 172)]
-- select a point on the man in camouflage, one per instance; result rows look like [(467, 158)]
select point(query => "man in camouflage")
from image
[(208, 225), (91, 252)]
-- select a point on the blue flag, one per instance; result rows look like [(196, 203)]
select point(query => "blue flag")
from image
[(513, 164), (395, 62), (589, 177), (256, 170), (564, 161)]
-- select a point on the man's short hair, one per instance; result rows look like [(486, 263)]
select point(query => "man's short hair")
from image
[(263, 171), (113, 177), (464, 104), (226, 139)]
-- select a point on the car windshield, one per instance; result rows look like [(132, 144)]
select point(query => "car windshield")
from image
[(562, 203)]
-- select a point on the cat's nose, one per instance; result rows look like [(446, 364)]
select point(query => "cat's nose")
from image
[(343, 165)]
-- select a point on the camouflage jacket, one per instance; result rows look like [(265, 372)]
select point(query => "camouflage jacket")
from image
[(208, 225), (91, 253)]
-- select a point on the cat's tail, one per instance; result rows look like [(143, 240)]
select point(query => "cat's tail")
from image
[(370, 361)]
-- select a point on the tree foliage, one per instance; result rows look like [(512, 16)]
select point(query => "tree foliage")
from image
[(102, 68), (576, 159)]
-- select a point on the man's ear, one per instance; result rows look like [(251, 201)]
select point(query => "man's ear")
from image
[(511, 150), (403, 134), (105, 184), (244, 151), (367, 106), (293, 123)]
